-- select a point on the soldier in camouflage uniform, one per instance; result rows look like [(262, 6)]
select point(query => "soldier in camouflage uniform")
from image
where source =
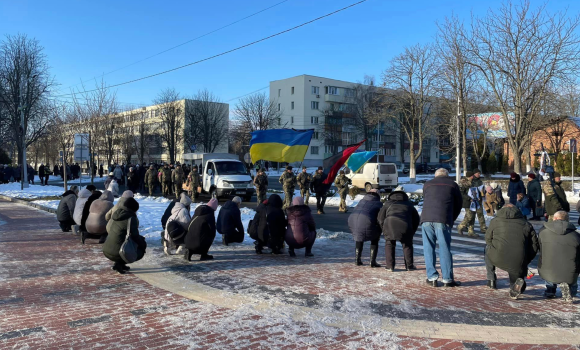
[(469, 218), (166, 180), (304, 179), (261, 183), (177, 178), (476, 182), (193, 182), (341, 182), (151, 179), (555, 197), (288, 181)]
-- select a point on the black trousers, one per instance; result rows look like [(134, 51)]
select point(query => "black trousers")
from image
[(491, 276), (320, 201), (65, 225), (407, 244)]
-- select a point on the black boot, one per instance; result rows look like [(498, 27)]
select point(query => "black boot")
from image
[(258, 248), (186, 255), (224, 240), (308, 252), (84, 235), (358, 253), (291, 252), (103, 239), (119, 268), (205, 257), (492, 284), (374, 251)]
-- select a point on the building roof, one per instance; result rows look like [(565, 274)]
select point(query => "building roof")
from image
[(315, 76)]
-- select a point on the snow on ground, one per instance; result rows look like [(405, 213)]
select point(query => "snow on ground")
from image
[(52, 204), (86, 180), (33, 191)]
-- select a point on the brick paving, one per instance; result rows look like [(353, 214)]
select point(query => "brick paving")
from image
[(57, 294)]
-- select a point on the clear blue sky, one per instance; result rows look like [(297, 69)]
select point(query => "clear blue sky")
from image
[(84, 39)]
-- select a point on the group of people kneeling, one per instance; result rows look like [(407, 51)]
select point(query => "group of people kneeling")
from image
[(92, 215)]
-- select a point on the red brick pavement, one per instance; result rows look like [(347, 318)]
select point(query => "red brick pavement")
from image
[(57, 294)]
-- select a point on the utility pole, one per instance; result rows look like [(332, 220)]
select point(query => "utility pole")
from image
[(457, 146)]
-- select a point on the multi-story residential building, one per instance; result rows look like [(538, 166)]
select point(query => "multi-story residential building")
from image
[(323, 104)]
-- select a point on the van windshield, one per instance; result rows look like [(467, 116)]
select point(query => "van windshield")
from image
[(230, 168), (388, 169)]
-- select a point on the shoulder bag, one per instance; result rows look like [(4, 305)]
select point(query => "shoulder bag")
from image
[(128, 251)]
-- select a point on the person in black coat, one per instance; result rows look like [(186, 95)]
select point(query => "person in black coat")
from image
[(515, 186), (269, 225), (101, 171), (142, 170), (318, 187), (201, 231), (534, 194), (229, 222), (364, 226), (117, 233), (399, 221), (41, 174), (133, 180), (66, 207)]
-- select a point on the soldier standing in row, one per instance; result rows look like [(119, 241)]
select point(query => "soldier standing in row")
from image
[(177, 177), (193, 182), (261, 183), (150, 179), (341, 184), (166, 180), (304, 179), (288, 181)]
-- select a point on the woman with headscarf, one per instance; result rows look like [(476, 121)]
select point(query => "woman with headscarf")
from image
[(117, 229), (201, 231), (301, 230), (229, 222), (96, 223), (177, 223), (364, 226)]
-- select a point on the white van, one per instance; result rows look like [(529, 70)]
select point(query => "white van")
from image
[(376, 175), (223, 175)]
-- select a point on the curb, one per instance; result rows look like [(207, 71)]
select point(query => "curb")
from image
[(23, 202)]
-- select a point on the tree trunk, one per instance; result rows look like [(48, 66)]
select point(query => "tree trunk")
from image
[(412, 167)]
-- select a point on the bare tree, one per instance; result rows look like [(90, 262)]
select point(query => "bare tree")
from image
[(255, 112), (171, 114), (206, 121), (25, 83), (363, 109), (141, 142), (332, 128), (62, 132), (412, 82), (520, 52)]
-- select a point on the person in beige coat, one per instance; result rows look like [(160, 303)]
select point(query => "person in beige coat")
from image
[(96, 223)]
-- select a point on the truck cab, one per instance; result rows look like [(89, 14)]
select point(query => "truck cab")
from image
[(223, 175), (376, 176)]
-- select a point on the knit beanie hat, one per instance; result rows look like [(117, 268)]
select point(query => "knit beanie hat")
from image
[(468, 174), (532, 175), (185, 200), (127, 194), (213, 203), (131, 204)]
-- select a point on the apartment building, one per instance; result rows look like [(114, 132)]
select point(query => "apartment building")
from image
[(322, 104)]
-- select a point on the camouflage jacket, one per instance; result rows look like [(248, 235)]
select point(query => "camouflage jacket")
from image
[(304, 180), (464, 186), (341, 182), (177, 176), (195, 180), (165, 175), (288, 180), (151, 176), (261, 182)]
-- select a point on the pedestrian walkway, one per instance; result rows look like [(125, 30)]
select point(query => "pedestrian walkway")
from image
[(56, 293)]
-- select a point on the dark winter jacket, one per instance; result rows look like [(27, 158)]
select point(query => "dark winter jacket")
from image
[(560, 247), (117, 230), (96, 222), (167, 212), (535, 191), (398, 217), (317, 186), (442, 201), (141, 172), (555, 198), (516, 186), (301, 230), (132, 179), (201, 230), (229, 222), (524, 206), (464, 186), (256, 230), (66, 207), (511, 241), (86, 209), (363, 222), (276, 221)]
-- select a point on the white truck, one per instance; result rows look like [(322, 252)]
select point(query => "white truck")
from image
[(376, 175), (222, 174)]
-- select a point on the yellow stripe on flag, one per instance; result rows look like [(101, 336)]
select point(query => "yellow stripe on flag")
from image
[(277, 152)]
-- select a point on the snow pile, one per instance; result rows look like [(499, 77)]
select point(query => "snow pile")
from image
[(410, 188), (335, 200), (33, 191), (48, 204), (325, 234)]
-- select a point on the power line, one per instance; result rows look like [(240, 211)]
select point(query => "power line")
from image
[(223, 53), (184, 43), (249, 93)]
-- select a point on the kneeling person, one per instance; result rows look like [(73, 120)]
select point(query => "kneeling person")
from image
[(96, 224), (201, 231), (66, 207), (229, 222)]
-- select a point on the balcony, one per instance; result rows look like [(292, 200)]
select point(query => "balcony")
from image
[(338, 99)]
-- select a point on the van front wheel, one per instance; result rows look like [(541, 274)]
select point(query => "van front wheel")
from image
[(368, 187)]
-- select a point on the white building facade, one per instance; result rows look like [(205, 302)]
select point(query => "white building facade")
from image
[(311, 102)]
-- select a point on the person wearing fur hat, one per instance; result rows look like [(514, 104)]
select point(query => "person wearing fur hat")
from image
[(515, 186), (301, 229), (117, 229), (176, 225), (555, 197), (201, 231)]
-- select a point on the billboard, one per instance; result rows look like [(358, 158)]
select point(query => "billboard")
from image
[(81, 150), (492, 123)]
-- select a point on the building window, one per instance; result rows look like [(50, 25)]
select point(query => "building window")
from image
[(332, 90), (291, 120), (313, 120), (292, 105), (390, 152), (315, 90), (390, 138), (292, 90), (279, 92), (313, 149), (315, 135), (156, 113), (279, 121), (314, 105), (349, 92), (279, 107)]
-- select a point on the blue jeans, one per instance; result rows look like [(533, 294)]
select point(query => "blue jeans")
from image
[(553, 286), (433, 232)]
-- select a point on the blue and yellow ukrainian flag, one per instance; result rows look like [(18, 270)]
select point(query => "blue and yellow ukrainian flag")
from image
[(280, 145)]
